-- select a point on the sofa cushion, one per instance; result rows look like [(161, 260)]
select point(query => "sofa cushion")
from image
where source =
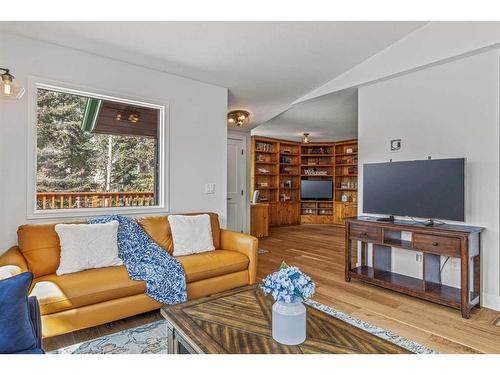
[(88, 246), (158, 228), (211, 264), (59, 293), (191, 234), (16, 329)]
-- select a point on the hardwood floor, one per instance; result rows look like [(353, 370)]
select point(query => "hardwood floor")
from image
[(319, 251)]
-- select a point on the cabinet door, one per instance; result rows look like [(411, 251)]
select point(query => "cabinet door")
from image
[(338, 216), (351, 210), (259, 220), (274, 214)]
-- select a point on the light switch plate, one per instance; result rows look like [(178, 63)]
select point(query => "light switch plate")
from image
[(210, 188)]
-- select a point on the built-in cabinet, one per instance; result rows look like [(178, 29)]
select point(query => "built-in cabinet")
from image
[(259, 219), (344, 210), (278, 166)]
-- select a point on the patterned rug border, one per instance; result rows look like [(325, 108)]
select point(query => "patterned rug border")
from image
[(161, 348), (384, 334)]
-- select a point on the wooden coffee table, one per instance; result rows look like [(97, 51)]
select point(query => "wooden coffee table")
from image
[(239, 321)]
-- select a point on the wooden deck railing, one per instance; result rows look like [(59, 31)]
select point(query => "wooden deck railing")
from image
[(51, 200)]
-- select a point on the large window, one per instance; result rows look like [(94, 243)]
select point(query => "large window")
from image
[(95, 153)]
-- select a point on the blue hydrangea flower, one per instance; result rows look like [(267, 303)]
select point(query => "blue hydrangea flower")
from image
[(288, 284)]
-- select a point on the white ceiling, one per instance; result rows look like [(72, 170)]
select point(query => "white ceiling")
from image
[(265, 65), (332, 117)]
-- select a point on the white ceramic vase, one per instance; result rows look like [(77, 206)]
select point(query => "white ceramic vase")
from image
[(289, 322)]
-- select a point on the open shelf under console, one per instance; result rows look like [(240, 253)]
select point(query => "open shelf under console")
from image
[(446, 240)]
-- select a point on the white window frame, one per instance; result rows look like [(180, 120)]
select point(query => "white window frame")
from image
[(162, 198)]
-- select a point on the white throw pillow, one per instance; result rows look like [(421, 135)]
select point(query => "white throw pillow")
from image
[(86, 246), (191, 234)]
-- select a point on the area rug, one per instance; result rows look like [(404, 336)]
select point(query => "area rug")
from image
[(151, 338)]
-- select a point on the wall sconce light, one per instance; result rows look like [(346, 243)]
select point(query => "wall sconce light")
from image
[(9, 89), (305, 138), (238, 118)]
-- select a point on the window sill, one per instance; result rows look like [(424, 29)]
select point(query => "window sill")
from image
[(90, 212)]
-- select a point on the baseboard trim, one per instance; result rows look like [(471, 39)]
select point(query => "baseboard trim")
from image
[(491, 301)]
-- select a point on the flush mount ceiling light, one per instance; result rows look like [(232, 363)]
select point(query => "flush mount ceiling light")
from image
[(134, 117), (305, 138), (9, 89), (129, 115), (238, 117)]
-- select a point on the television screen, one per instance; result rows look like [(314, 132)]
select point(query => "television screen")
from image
[(311, 189), (431, 189)]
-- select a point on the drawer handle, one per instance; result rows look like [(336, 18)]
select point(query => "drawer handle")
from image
[(435, 244)]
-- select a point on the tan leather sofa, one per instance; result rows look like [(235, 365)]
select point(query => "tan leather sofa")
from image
[(85, 299)]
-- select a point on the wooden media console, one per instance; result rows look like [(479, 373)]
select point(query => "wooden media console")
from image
[(433, 242)]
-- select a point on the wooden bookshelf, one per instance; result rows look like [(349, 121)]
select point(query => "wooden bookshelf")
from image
[(289, 180), (317, 212), (279, 185), (278, 166), (317, 163), (265, 169), (346, 181)]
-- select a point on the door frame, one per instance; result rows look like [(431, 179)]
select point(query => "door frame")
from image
[(245, 141)]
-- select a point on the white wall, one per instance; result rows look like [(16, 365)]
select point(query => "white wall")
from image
[(450, 110), (197, 111)]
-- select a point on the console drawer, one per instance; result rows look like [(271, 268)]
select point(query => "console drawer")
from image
[(436, 244), (365, 232)]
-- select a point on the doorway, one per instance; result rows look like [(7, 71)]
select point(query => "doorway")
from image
[(236, 184)]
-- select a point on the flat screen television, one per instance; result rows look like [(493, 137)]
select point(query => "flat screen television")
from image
[(316, 190), (431, 189)]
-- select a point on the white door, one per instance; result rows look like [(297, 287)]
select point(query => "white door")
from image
[(235, 184)]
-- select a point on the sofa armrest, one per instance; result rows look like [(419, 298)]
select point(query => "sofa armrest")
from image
[(242, 243), (12, 263)]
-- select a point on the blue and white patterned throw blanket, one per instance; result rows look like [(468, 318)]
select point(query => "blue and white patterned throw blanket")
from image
[(147, 261)]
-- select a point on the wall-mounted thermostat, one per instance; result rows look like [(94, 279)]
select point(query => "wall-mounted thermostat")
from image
[(395, 145)]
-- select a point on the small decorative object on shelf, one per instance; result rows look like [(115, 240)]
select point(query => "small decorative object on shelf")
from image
[(349, 150), (266, 147), (285, 197), (285, 160), (352, 170), (289, 287), (315, 172)]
